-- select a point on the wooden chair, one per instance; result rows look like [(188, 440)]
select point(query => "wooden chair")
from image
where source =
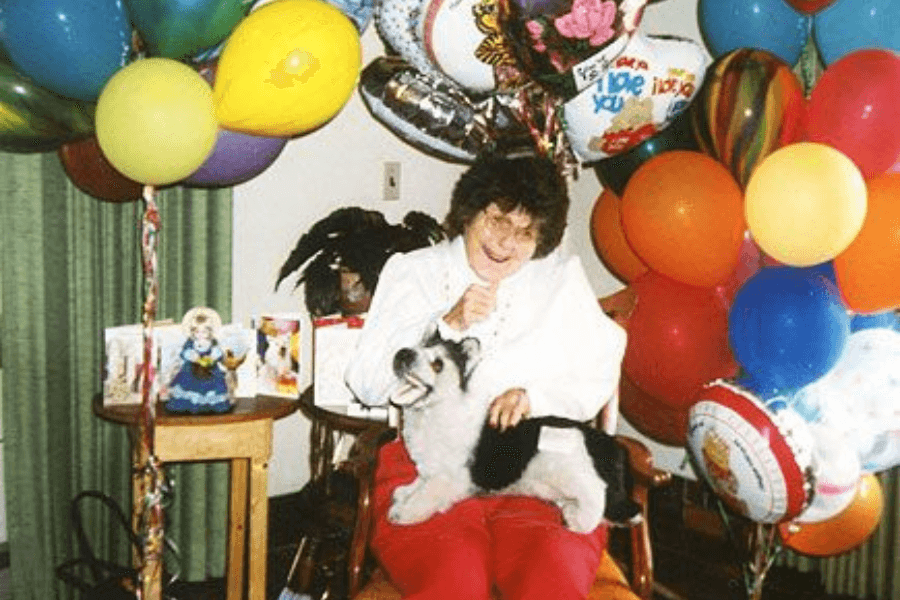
[(610, 583)]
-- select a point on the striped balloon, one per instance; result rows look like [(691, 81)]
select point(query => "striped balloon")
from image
[(751, 104)]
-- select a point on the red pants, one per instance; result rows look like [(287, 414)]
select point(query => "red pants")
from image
[(512, 544)]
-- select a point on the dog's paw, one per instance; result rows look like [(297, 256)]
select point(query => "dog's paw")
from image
[(582, 517), (411, 509)]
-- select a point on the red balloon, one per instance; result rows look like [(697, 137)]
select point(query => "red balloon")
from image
[(89, 170), (650, 416), (809, 6), (677, 339), (854, 109)]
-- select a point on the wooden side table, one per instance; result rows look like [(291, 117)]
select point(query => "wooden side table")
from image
[(244, 438)]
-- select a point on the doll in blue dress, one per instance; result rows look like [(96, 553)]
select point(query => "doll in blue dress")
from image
[(200, 386)]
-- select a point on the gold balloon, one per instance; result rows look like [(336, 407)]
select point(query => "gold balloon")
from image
[(805, 203), (288, 67), (156, 121)]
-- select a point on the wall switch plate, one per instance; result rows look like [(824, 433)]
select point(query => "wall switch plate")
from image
[(391, 181)]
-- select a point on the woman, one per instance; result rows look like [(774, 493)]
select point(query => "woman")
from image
[(547, 348)]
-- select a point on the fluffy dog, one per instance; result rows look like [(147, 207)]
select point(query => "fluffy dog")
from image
[(458, 454)]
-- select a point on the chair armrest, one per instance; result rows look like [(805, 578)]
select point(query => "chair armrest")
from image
[(645, 477), (361, 463)]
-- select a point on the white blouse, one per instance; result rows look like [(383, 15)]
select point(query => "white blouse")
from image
[(546, 335)]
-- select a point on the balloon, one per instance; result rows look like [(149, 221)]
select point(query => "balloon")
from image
[(805, 203), (751, 103), (359, 11), (35, 120), (614, 172), (89, 170), (651, 417), (748, 265), (757, 459), (567, 45), (867, 270), (183, 28), (682, 213), (639, 91), (853, 108), (236, 158), (845, 531), (677, 339), (787, 327), (397, 24), (887, 320), (156, 121), (437, 118), (849, 25), (70, 47), (770, 25), (287, 68), (609, 239), (836, 470), (809, 6)]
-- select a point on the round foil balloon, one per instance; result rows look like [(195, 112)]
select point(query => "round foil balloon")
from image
[(750, 104), (843, 532), (638, 93), (837, 472), (397, 23), (758, 461)]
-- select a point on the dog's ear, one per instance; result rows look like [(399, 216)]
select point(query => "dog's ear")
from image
[(431, 335), (471, 348)]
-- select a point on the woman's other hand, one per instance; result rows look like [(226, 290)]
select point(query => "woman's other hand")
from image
[(474, 306), (509, 408)]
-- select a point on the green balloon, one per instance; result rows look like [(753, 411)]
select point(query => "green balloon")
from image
[(33, 119), (182, 29)]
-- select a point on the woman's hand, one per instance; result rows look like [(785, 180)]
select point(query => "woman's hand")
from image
[(509, 408), (474, 306)]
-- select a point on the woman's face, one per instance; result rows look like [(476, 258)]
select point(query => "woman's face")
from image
[(498, 243)]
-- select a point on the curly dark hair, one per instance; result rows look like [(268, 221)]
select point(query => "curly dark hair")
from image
[(532, 184)]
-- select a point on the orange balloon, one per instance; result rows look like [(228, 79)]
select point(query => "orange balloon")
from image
[(609, 239), (867, 271), (683, 214), (843, 532)]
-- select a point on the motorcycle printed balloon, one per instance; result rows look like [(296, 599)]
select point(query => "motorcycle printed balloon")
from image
[(750, 104), (35, 120), (637, 96)]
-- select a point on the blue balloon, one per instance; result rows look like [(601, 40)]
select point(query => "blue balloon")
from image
[(849, 25), (787, 327), (70, 47), (883, 320), (770, 25)]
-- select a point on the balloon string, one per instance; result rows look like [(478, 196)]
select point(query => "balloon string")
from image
[(150, 517)]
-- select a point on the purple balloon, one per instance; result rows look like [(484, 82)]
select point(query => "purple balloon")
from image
[(236, 158)]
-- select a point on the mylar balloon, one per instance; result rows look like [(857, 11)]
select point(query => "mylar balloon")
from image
[(867, 270), (156, 121), (809, 6), (836, 470), (183, 28), (805, 203), (659, 421), (89, 170), (843, 532), (35, 120), (682, 213), (397, 24), (787, 327), (750, 104), (850, 25), (288, 67), (236, 158), (642, 88), (677, 339), (853, 108), (359, 11), (757, 460), (770, 25), (615, 171), (70, 47), (609, 239)]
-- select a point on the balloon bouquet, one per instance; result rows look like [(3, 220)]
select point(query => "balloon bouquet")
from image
[(759, 234)]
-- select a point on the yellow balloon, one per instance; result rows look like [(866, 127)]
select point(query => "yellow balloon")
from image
[(287, 68), (155, 121), (805, 203)]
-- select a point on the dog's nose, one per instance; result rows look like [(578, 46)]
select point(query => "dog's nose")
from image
[(404, 360)]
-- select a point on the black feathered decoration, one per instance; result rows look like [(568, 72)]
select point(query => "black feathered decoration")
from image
[(341, 256)]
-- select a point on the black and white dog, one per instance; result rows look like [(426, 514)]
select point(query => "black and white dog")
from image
[(458, 454)]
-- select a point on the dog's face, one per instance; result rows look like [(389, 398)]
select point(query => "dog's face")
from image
[(434, 365)]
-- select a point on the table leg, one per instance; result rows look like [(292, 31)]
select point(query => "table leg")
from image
[(237, 535), (259, 527)]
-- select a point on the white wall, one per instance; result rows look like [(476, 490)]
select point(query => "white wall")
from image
[(341, 165)]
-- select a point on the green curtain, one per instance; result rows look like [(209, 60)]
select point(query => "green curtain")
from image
[(71, 266)]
